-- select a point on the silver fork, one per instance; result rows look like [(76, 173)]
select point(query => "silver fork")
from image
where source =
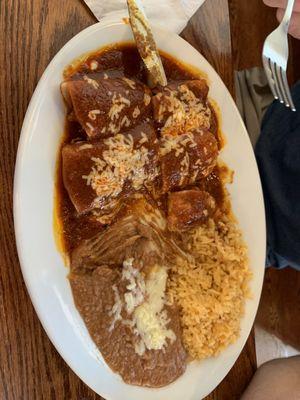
[(275, 57)]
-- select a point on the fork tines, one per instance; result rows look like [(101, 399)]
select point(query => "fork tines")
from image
[(278, 82)]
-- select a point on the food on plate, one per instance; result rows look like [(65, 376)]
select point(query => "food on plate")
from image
[(189, 208), (182, 107), (186, 158), (127, 306), (96, 173), (158, 267), (104, 106), (138, 358)]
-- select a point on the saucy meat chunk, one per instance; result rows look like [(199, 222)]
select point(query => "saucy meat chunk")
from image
[(182, 107), (189, 209), (139, 233), (186, 158), (107, 106), (97, 174)]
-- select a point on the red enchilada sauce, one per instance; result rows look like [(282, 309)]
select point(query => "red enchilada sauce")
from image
[(117, 61)]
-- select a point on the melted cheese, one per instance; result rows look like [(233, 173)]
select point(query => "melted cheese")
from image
[(150, 318), (144, 301)]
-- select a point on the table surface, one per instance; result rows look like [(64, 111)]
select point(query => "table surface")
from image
[(32, 32)]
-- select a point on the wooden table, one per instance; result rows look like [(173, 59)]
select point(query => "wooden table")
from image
[(32, 32)]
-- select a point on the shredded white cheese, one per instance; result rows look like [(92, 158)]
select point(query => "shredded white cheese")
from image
[(144, 301), (94, 65), (116, 309), (129, 82), (135, 287), (120, 161), (144, 138), (85, 146), (93, 114), (90, 126), (119, 103), (125, 121), (147, 99), (178, 144), (91, 82), (182, 111), (136, 112)]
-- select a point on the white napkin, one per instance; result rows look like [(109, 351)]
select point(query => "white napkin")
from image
[(169, 14)]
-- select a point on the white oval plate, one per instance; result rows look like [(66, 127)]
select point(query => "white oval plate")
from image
[(42, 265)]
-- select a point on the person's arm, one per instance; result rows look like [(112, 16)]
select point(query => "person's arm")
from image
[(294, 28), (275, 380)]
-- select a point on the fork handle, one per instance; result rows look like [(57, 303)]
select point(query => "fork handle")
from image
[(287, 15)]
